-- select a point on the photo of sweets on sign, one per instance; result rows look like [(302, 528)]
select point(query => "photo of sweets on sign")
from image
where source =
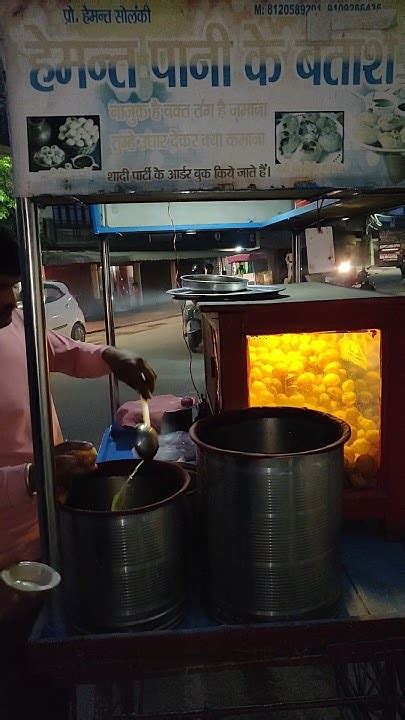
[(174, 95)]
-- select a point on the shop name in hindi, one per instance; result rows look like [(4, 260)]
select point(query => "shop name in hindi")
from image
[(179, 63)]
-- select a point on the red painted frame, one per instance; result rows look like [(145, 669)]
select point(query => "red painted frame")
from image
[(135, 657), (94, 658), (228, 325)]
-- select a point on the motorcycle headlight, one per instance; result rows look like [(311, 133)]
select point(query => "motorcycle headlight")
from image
[(345, 266)]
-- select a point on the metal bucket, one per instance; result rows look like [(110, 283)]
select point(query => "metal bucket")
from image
[(125, 569), (271, 480)]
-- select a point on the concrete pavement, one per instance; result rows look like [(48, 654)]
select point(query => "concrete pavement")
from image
[(135, 318), (388, 280)]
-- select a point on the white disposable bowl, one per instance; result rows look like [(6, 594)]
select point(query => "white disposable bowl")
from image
[(30, 577)]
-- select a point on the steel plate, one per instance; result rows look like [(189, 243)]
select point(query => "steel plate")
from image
[(253, 292), (213, 283)]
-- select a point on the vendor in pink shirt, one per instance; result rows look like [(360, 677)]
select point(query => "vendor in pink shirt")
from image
[(18, 508)]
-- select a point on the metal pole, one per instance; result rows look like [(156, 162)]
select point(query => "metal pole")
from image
[(38, 377), (296, 253), (109, 316)]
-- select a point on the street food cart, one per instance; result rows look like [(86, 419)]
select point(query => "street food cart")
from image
[(254, 266), (106, 119)]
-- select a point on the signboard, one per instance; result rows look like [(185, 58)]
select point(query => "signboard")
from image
[(320, 249), (108, 95), (390, 247), (389, 253)]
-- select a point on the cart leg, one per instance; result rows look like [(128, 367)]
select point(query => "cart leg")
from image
[(390, 690)]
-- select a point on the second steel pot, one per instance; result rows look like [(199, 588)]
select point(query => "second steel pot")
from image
[(125, 569), (271, 480)]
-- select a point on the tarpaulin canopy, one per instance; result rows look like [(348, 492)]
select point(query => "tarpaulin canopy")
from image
[(246, 257)]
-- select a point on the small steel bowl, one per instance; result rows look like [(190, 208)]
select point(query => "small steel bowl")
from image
[(31, 577)]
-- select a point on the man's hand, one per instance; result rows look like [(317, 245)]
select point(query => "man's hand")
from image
[(72, 459), (132, 371)]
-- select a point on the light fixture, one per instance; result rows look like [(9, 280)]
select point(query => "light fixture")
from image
[(344, 219), (191, 232), (238, 248)]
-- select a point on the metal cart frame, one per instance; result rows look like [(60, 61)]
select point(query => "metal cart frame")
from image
[(378, 644)]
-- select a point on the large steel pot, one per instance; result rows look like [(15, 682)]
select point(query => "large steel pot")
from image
[(271, 481), (125, 569)]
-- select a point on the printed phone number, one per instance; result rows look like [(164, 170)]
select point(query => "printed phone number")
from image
[(354, 7), (286, 8), (306, 8)]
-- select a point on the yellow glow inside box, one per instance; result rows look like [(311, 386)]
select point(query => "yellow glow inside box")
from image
[(335, 372)]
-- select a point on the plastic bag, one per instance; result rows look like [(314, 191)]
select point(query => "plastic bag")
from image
[(130, 413), (176, 447)]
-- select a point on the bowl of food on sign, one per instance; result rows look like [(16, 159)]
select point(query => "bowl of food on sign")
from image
[(49, 156), (381, 127), (79, 136), (309, 137), (84, 162), (384, 134)]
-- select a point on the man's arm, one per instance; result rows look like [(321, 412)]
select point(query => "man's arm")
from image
[(84, 360), (77, 359)]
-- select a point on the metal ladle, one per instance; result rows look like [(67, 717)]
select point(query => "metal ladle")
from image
[(146, 446), (146, 440)]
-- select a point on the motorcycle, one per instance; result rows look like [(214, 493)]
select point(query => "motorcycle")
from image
[(192, 315), (348, 276), (192, 326), (364, 281)]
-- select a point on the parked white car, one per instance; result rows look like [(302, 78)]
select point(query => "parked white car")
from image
[(63, 312)]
